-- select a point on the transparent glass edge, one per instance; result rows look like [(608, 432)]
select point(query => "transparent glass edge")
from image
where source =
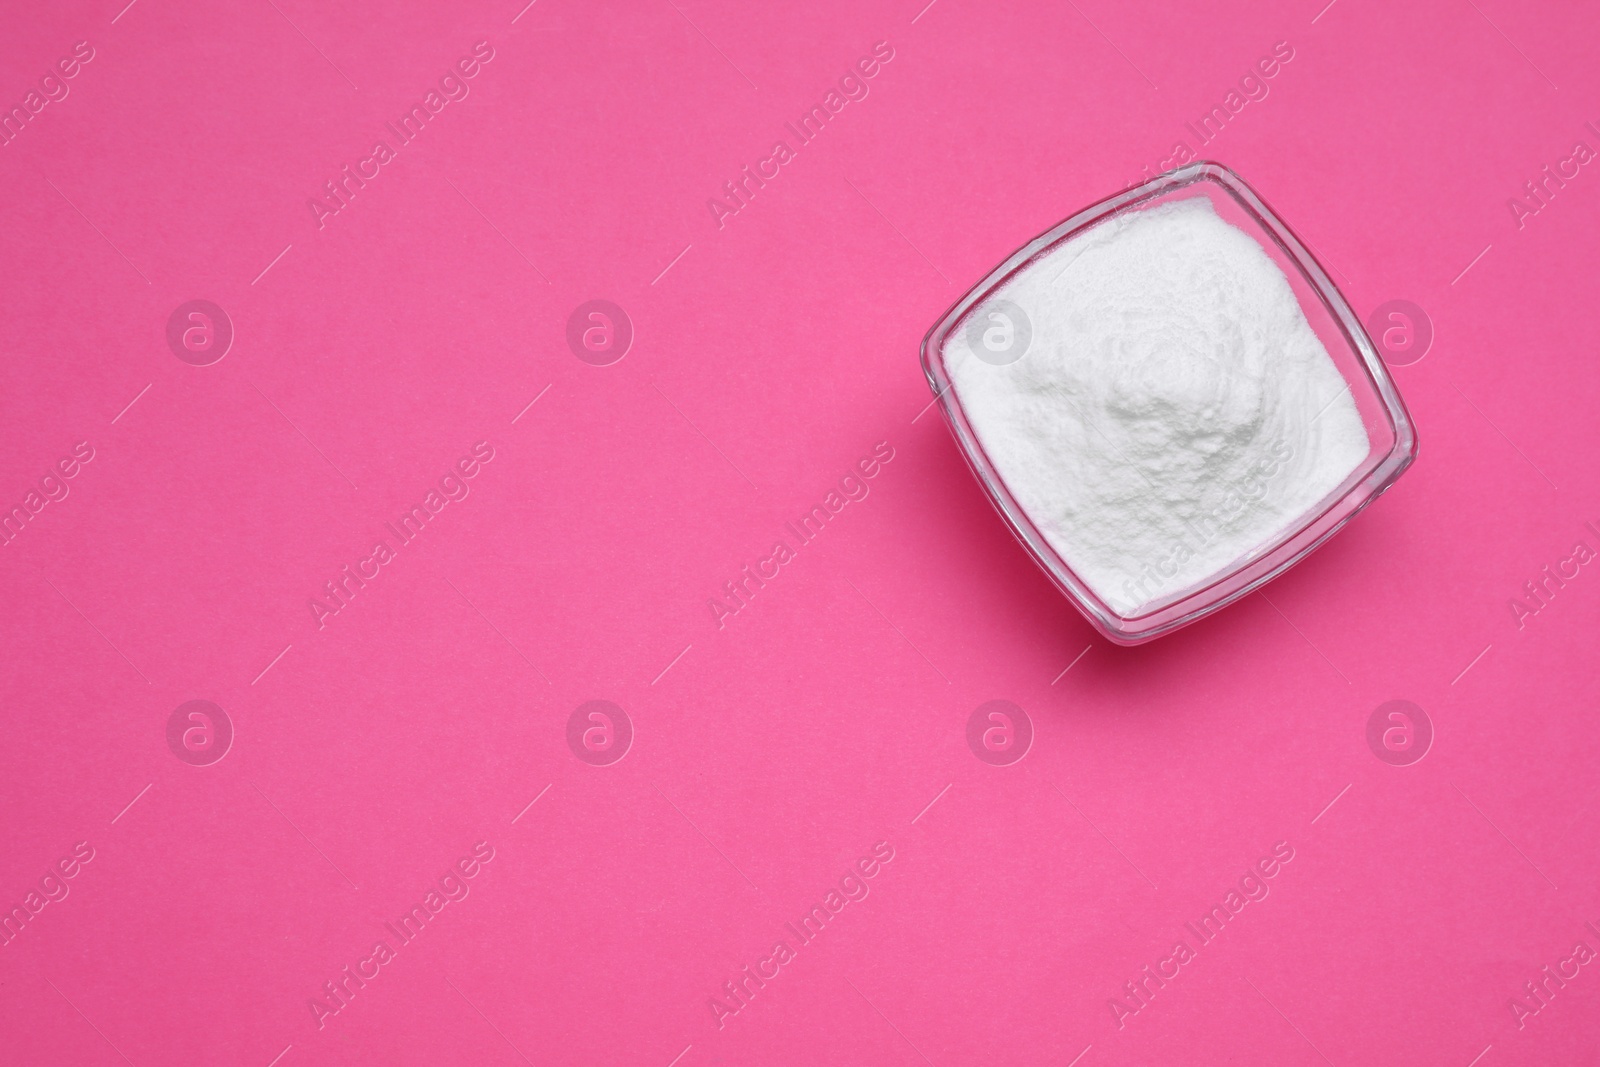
[(1358, 494)]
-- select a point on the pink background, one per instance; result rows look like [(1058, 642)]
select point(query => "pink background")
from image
[(830, 713)]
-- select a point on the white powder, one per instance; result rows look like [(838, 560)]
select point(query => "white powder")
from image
[(1172, 414)]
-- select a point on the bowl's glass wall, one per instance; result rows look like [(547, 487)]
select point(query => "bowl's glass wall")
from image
[(1392, 441)]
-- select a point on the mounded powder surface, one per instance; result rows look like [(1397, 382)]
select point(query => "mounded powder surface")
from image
[(1172, 413)]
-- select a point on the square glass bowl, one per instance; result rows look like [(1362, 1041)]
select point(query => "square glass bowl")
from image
[(1392, 438)]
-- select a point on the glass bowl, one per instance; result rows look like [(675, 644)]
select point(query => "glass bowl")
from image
[(1391, 436)]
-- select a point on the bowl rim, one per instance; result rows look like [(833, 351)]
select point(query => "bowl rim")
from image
[(1284, 552)]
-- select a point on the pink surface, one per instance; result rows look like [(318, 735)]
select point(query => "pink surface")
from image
[(421, 740)]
